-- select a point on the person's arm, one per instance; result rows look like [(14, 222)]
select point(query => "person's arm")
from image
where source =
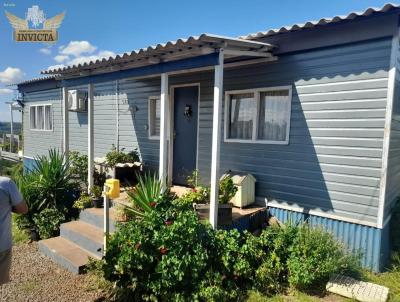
[(19, 206)]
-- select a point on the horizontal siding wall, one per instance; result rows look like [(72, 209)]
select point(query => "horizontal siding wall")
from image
[(115, 121), (333, 161), (39, 142), (393, 167)]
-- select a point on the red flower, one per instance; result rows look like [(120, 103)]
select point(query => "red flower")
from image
[(194, 190), (163, 250), (138, 245), (168, 222), (153, 204)]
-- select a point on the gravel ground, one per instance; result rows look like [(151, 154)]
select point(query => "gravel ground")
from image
[(35, 278)]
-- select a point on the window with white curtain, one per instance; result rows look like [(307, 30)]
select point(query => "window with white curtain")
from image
[(41, 117), (154, 117), (258, 115)]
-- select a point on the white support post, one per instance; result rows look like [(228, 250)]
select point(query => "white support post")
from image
[(65, 143), (106, 219), (90, 137), (164, 131), (12, 129), (216, 139)]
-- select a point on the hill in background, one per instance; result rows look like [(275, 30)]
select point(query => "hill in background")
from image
[(5, 127)]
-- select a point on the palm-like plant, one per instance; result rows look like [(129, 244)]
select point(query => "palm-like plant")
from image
[(145, 195), (47, 186), (52, 178)]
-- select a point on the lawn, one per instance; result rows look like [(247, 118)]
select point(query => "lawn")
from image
[(390, 279)]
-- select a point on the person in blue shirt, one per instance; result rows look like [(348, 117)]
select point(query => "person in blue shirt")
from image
[(10, 201)]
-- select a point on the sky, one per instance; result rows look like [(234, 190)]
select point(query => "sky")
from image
[(94, 29)]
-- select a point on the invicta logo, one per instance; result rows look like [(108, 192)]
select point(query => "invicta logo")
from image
[(28, 29)]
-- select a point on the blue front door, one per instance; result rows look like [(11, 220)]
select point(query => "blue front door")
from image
[(185, 133)]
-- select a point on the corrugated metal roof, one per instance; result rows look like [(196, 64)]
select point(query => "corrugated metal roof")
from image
[(34, 80), (178, 47), (324, 21)]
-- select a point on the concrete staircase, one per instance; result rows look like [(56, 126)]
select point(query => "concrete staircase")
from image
[(78, 240)]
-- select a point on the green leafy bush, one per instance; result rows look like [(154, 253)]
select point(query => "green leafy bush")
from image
[(166, 254), (49, 185), (78, 166), (201, 194), (79, 170), (314, 256), (84, 201), (227, 190), (96, 191), (196, 195), (48, 222)]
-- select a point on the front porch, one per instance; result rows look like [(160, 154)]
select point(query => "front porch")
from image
[(203, 53)]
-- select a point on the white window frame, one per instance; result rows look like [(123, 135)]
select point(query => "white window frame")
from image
[(256, 92), (36, 117), (151, 99)]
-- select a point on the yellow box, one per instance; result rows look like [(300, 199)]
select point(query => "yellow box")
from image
[(113, 185)]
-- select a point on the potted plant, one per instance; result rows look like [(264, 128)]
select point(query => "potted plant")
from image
[(123, 165), (97, 200), (201, 200)]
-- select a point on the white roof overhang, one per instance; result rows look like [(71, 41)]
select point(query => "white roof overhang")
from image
[(234, 49)]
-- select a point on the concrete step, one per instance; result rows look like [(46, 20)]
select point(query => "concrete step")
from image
[(84, 235), (95, 217), (66, 254)]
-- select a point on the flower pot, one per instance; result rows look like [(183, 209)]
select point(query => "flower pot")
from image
[(224, 212), (97, 202), (34, 235)]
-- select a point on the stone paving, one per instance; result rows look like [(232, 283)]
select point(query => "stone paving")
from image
[(355, 289)]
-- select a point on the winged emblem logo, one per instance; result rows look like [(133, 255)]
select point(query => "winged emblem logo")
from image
[(36, 17)]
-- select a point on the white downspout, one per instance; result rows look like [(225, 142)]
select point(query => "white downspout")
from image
[(90, 136), (117, 114)]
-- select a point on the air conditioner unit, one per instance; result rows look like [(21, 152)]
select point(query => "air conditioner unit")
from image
[(77, 100)]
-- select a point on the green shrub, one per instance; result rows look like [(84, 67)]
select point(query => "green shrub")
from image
[(314, 256), (49, 185), (301, 257), (196, 195), (96, 191), (78, 166), (227, 190), (79, 170), (48, 222), (84, 201), (167, 254), (54, 180), (164, 255), (201, 194)]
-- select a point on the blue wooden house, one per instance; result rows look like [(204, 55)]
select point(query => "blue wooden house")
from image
[(311, 110)]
